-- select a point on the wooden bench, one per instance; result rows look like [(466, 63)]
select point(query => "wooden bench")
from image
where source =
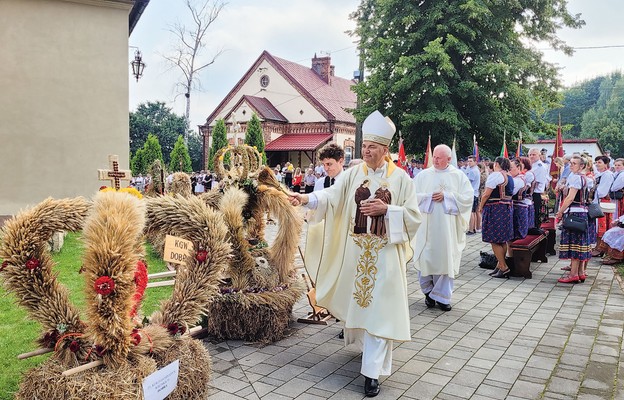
[(551, 239), (531, 248)]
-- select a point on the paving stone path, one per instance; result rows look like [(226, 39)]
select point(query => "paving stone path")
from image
[(503, 339)]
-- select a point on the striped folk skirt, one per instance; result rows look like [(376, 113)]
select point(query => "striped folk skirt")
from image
[(576, 245), (520, 220), (497, 224), (531, 215)]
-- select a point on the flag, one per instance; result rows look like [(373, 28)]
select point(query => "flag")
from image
[(454, 154), (557, 152), (475, 148), (428, 154), (503, 152), (519, 150), (402, 158)]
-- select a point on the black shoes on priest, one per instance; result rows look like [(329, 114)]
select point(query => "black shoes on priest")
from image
[(430, 303), (371, 387)]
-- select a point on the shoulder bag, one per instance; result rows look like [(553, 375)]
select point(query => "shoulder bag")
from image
[(617, 195), (574, 223), (594, 210)]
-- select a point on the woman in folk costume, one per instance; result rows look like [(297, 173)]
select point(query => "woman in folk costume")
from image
[(617, 188), (575, 245), (529, 179), (498, 214), (613, 243), (360, 275), (604, 180), (520, 208)]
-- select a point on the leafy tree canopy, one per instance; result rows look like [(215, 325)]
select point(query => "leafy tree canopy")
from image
[(576, 101), (459, 67), (253, 136), (219, 141), (180, 159), (158, 119), (606, 120), (145, 156)]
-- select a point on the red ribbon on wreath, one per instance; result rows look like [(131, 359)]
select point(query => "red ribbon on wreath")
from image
[(140, 281)]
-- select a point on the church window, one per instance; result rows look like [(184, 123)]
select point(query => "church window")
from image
[(264, 81)]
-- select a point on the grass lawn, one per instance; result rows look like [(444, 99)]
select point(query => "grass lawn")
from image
[(18, 333)]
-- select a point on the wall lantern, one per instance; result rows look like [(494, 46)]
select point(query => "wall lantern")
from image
[(137, 65)]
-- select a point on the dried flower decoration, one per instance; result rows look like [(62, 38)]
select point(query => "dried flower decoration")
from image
[(99, 350), (74, 346), (135, 337), (201, 255), (33, 263), (5, 264), (104, 285)]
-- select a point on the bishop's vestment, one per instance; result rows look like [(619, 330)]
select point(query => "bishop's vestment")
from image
[(360, 276)]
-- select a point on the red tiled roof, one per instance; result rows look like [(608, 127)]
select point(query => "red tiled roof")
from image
[(265, 109), (335, 96), (307, 141)]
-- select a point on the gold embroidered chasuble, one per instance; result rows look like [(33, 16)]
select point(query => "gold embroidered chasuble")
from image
[(441, 237), (359, 266)]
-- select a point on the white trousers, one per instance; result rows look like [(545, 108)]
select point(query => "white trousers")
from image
[(438, 287), (376, 352)]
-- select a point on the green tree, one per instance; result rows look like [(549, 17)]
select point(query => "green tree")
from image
[(253, 136), (137, 163), (219, 141), (195, 148), (606, 121), (144, 157), (576, 101), (180, 159), (159, 120), (459, 67)]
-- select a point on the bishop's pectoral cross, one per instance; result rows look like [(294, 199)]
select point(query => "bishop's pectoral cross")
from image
[(114, 174)]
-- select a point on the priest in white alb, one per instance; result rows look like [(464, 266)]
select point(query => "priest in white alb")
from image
[(358, 257), (445, 197)]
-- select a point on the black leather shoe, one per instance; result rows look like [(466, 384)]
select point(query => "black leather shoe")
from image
[(371, 387), (444, 307), (341, 334), (429, 302)]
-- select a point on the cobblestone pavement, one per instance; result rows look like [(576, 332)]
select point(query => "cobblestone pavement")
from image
[(503, 339)]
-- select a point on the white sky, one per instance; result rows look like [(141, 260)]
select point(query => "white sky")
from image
[(296, 29)]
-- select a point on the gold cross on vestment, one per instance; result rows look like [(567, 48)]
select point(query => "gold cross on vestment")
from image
[(114, 174)]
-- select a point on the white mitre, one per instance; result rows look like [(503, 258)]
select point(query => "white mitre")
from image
[(377, 128)]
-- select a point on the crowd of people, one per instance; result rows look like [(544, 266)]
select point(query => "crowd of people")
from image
[(368, 219)]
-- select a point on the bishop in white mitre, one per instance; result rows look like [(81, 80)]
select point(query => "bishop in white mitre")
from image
[(445, 198), (358, 245)]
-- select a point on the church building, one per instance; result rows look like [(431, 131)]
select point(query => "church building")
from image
[(300, 109), (64, 98)]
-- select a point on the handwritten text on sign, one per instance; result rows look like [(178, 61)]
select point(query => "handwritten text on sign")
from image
[(177, 249)]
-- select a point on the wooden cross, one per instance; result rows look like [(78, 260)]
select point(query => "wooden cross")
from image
[(114, 174)]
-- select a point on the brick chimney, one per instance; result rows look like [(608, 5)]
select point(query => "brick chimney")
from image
[(323, 68)]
